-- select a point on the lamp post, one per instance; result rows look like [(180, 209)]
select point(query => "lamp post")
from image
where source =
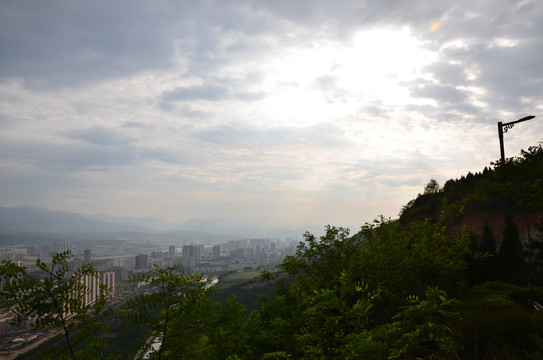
[(502, 128)]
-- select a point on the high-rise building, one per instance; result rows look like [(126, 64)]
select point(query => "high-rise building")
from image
[(93, 284), (216, 252), (172, 251), (118, 261), (77, 263), (187, 250), (198, 251), (91, 289), (87, 256), (238, 253), (108, 279), (192, 254), (62, 246), (141, 262), (263, 243), (120, 274), (234, 244), (157, 255)]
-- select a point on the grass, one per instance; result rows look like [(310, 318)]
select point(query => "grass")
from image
[(238, 279)]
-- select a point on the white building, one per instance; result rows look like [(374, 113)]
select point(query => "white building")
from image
[(92, 285)]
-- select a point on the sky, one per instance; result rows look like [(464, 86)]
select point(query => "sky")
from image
[(274, 112)]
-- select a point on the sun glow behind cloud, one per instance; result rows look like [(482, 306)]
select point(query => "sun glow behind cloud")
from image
[(329, 83), (371, 67), (378, 60)]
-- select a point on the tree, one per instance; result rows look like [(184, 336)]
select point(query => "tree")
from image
[(399, 261), (423, 328), (322, 258), (432, 187), (226, 331), (55, 298), (344, 294), (510, 256), (174, 307), (488, 262)]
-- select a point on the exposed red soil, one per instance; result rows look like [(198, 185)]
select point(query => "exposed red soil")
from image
[(496, 220)]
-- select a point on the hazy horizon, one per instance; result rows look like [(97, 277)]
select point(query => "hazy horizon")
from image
[(280, 113)]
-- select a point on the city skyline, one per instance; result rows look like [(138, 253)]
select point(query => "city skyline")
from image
[(276, 113)]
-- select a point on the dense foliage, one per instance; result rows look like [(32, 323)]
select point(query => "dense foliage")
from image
[(378, 294), (515, 185)]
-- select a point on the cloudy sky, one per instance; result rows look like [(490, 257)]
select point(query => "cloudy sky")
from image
[(280, 112)]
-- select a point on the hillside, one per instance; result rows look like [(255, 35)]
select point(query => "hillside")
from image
[(512, 187)]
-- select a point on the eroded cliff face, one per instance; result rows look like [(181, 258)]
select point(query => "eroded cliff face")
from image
[(456, 218), (474, 219)]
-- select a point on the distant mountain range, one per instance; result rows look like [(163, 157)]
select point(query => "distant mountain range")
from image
[(39, 220), (23, 219)]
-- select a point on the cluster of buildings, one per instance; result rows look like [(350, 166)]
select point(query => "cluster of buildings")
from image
[(88, 288), (116, 265), (204, 258)]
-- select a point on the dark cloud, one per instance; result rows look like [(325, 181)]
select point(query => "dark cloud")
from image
[(190, 112), (68, 157), (208, 92), (134, 125), (95, 153), (65, 43), (249, 96), (99, 136), (69, 44), (499, 43), (441, 93), (511, 73), (230, 134), (447, 73), (237, 47), (35, 185)]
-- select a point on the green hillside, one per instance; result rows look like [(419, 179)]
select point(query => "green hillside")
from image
[(512, 187)]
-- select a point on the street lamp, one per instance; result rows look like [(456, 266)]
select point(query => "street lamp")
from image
[(502, 128)]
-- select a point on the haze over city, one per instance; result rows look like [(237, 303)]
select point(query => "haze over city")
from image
[(274, 112)]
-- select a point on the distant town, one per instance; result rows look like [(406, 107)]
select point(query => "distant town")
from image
[(120, 258)]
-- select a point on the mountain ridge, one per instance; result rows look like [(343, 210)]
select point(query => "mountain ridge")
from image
[(24, 219)]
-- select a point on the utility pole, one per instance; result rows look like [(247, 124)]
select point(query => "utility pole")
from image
[(502, 128)]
